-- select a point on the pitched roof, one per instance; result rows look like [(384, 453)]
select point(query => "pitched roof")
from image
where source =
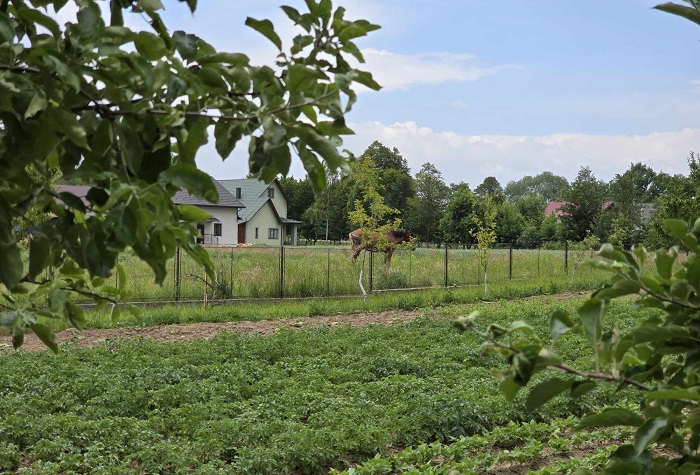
[(253, 195), (226, 199)]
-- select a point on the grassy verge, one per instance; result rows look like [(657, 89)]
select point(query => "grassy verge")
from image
[(378, 302), (294, 402)]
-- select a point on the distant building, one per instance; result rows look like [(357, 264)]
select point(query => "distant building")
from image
[(648, 211), (264, 219), (219, 230), (554, 208)]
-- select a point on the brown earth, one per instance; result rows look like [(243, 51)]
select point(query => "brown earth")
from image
[(92, 338), (181, 333)]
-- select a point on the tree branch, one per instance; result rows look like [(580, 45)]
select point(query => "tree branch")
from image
[(564, 368), (85, 293)]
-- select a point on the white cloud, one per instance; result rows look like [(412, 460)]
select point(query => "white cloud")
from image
[(471, 158), (396, 71)]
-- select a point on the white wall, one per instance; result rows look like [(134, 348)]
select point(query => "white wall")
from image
[(229, 224), (264, 219), (279, 201)]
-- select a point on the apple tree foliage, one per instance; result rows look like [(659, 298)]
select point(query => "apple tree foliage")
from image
[(125, 111)]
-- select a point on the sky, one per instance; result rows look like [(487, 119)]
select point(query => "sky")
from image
[(499, 88)]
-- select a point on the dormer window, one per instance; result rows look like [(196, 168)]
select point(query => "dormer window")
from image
[(238, 193), (270, 192)]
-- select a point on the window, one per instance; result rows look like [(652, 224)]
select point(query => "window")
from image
[(256, 233), (238, 193), (217, 229), (270, 192), (273, 233)]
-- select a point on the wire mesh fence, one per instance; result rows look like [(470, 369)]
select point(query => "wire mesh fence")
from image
[(320, 271)]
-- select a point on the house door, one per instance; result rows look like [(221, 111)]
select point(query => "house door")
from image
[(241, 233)]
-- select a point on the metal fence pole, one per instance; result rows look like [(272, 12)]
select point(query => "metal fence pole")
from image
[(445, 264), (231, 266), (566, 257), (539, 253), (510, 262), (178, 268), (328, 273), (371, 270), (281, 272), (409, 267)]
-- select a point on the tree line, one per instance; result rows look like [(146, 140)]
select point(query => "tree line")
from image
[(627, 210)]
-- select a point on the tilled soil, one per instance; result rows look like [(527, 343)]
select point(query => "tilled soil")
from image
[(92, 338)]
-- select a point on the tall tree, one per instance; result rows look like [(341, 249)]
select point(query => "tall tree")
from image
[(125, 112), (584, 203), (490, 186), (457, 224), (429, 204), (394, 176), (549, 186)]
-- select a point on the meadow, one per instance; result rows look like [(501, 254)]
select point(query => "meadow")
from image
[(298, 272), (417, 397)]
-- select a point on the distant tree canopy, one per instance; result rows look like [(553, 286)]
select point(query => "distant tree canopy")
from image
[(547, 185)]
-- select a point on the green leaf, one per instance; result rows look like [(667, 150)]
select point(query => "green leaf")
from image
[(611, 417), (189, 177), (150, 5), (545, 391), (234, 59), (266, 28), (72, 201), (75, 315), (192, 213), (579, 388), (186, 45), (39, 252), (560, 323), (17, 337), (38, 103), (121, 277), (227, 134), (365, 79), (509, 388), (10, 265), (46, 335), (31, 16), (63, 72), (686, 12), (664, 264), (116, 313), (150, 46), (136, 312), (591, 313), (649, 432), (673, 394)]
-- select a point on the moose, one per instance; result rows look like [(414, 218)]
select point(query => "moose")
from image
[(393, 237)]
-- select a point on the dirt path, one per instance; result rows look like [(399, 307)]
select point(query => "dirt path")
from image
[(183, 333), (179, 333)]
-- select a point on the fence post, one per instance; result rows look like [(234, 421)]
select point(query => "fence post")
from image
[(231, 265), (178, 267), (510, 262), (328, 273), (371, 271), (445, 264), (409, 267), (539, 253), (566, 257), (281, 272)]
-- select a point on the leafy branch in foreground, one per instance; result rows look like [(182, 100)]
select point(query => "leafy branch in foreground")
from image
[(125, 112), (660, 357)]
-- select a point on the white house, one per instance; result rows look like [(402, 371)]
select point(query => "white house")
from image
[(222, 228), (264, 218)]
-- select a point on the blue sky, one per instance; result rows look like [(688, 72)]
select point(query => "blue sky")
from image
[(504, 88)]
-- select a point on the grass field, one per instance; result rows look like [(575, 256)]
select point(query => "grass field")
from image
[(267, 272), (407, 398)]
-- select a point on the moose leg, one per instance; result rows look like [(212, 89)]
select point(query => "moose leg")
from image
[(387, 258)]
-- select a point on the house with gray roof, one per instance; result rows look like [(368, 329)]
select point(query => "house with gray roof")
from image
[(219, 230), (222, 228), (264, 218)]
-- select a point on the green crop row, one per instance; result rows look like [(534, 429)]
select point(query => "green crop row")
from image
[(517, 445), (295, 402)]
